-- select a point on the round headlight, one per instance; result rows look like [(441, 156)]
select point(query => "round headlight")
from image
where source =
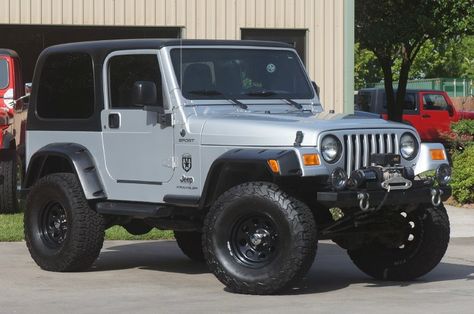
[(408, 146), (331, 148)]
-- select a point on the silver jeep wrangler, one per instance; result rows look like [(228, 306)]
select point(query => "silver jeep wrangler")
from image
[(227, 144)]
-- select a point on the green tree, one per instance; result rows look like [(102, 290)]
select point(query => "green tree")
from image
[(398, 29), (366, 68)]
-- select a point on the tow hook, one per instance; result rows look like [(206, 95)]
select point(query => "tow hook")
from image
[(436, 197), (364, 203)]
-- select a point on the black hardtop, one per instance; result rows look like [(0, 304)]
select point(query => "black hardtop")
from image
[(8, 52), (98, 51), (104, 47), (409, 90)]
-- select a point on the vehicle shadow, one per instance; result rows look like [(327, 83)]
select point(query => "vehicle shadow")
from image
[(332, 270), (162, 256)]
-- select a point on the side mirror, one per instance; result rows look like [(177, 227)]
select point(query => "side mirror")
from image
[(450, 110), (144, 94), (28, 88), (316, 87)]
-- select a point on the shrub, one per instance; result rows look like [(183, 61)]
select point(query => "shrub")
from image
[(463, 176), (460, 136)]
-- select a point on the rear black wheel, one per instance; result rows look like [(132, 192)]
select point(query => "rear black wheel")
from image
[(62, 232), (191, 244), (423, 245), (11, 175), (259, 240)]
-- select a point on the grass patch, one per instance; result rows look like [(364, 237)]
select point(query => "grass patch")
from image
[(11, 230), (119, 233)]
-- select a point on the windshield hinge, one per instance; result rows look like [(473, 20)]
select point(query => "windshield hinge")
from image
[(165, 119)]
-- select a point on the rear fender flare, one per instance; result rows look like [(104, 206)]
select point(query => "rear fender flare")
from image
[(80, 161)]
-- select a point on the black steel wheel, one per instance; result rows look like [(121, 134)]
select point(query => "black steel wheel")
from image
[(53, 224), (62, 232), (254, 241), (423, 243), (259, 240)]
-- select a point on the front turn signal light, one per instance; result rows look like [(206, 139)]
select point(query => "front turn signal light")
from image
[(311, 160), (274, 165), (437, 154)]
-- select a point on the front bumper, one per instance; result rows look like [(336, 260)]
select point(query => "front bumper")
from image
[(420, 192)]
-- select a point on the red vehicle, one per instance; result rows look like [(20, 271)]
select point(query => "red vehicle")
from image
[(429, 111), (12, 129)]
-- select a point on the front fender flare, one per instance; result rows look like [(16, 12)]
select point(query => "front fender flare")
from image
[(288, 161)]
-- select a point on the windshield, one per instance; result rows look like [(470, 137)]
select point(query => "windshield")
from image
[(240, 74), (3, 73)]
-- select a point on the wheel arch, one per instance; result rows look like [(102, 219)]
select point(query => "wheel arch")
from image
[(66, 157), (238, 166)]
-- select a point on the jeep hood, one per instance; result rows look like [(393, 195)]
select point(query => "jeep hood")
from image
[(252, 129)]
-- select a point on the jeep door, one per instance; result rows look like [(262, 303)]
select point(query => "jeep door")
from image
[(435, 116), (137, 148)]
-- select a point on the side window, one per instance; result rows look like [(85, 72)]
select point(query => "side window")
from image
[(3, 73), (363, 101), (410, 102), (125, 70), (434, 102), (66, 88)]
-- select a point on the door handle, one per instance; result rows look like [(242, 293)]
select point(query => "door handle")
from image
[(426, 116), (114, 120)]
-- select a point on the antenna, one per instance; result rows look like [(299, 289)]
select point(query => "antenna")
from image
[(181, 63)]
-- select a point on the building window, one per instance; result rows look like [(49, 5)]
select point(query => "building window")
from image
[(294, 37), (125, 70), (66, 88)]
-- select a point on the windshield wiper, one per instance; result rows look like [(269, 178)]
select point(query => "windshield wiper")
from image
[(238, 103), (205, 92), (294, 103), (261, 93)]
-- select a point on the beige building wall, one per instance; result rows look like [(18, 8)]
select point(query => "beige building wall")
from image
[(214, 19)]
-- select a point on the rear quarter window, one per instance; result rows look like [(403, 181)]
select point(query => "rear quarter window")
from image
[(4, 77), (66, 87)]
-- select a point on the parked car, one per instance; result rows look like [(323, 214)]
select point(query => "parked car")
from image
[(227, 144), (12, 130), (429, 111)]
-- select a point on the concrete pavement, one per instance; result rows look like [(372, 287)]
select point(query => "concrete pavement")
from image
[(154, 277)]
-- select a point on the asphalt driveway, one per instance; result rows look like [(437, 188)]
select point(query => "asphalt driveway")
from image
[(154, 277)]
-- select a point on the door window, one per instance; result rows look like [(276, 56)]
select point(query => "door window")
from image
[(125, 70), (3, 73), (434, 102)]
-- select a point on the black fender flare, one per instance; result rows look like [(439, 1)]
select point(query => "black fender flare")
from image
[(7, 140), (80, 160), (287, 159)]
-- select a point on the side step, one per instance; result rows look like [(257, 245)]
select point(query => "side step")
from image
[(143, 210)]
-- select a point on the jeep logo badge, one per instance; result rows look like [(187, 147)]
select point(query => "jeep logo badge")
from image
[(187, 162)]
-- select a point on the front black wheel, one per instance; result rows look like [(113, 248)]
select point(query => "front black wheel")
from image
[(424, 244), (62, 232), (190, 243), (259, 240)]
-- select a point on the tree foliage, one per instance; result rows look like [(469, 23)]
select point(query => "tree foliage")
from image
[(451, 58), (398, 30)]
